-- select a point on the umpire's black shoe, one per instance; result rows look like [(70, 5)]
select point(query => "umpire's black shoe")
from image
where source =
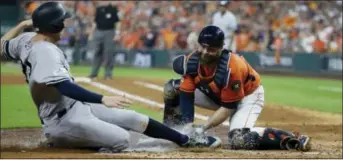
[(92, 77)]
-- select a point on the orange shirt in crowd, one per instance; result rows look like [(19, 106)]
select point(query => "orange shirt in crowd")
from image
[(125, 23), (318, 46), (293, 34), (132, 40), (237, 88), (169, 37), (242, 41), (32, 7), (289, 21), (129, 5), (276, 24), (251, 10)]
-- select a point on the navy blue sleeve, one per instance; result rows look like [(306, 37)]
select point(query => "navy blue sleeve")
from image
[(187, 106), (72, 90)]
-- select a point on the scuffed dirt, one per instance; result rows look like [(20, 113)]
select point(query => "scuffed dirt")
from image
[(324, 128)]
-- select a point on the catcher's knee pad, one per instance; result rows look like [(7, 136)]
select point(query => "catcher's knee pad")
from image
[(243, 139), (171, 89), (171, 100)]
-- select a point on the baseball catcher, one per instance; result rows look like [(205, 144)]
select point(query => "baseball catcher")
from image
[(218, 79), (72, 116)]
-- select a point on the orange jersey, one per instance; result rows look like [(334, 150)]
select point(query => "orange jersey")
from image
[(238, 85)]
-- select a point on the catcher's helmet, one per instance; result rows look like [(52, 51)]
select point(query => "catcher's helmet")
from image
[(49, 17), (211, 36)]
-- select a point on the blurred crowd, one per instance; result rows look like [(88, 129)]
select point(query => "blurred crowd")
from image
[(286, 26)]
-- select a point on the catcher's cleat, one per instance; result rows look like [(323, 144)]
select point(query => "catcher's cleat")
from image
[(203, 141)]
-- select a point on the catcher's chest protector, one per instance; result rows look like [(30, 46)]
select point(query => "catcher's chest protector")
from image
[(221, 76)]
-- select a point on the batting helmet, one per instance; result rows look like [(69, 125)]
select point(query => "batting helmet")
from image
[(211, 36), (49, 17)]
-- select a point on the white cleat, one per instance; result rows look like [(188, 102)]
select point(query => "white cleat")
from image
[(204, 142)]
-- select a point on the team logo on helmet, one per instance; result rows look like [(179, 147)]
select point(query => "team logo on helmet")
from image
[(236, 86)]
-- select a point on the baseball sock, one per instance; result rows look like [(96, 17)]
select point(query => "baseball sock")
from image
[(187, 107), (157, 130)]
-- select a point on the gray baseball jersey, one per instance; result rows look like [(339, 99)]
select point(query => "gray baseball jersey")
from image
[(43, 64), (84, 124)]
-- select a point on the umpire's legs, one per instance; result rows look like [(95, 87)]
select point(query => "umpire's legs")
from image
[(98, 48), (109, 53)]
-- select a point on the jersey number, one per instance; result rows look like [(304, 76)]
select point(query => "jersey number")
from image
[(26, 66)]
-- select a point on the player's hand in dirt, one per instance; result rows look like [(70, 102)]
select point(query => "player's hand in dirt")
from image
[(116, 101)]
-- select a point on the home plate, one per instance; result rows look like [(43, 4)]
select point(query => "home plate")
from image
[(153, 145)]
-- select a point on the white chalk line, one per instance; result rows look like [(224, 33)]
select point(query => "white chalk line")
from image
[(149, 85), (325, 88), (132, 96), (332, 89)]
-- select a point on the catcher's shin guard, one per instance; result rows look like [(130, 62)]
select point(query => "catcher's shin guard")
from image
[(171, 114), (278, 139), (271, 139)]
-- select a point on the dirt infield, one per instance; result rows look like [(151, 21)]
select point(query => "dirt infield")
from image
[(324, 128), (12, 79)]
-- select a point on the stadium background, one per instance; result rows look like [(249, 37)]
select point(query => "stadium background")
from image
[(274, 34), (302, 38)]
